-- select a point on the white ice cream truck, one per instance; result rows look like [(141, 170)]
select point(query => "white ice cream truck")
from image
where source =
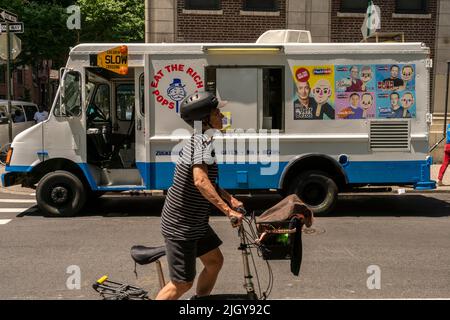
[(319, 118)]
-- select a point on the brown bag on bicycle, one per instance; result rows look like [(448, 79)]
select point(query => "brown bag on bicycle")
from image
[(279, 230)]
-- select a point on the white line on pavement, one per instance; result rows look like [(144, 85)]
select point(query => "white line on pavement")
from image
[(4, 221), (17, 201), (15, 210)]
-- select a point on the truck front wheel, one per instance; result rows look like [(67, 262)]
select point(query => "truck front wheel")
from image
[(316, 189), (60, 193)]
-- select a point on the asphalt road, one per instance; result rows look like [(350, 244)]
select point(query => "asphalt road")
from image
[(406, 237)]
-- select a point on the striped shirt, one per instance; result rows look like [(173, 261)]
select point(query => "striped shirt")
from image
[(185, 214)]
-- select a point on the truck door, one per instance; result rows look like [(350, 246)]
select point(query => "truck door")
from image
[(65, 136), (140, 129)]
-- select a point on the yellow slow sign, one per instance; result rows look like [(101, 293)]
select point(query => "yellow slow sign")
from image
[(115, 60)]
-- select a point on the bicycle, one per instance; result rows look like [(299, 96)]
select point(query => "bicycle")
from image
[(249, 239)]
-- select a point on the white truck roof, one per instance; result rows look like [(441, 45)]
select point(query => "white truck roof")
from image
[(286, 48)]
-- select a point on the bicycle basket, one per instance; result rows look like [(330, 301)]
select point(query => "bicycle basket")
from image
[(279, 228), (276, 240)]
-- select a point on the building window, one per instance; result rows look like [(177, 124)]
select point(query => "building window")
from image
[(357, 6), (202, 4), (411, 6), (260, 5)]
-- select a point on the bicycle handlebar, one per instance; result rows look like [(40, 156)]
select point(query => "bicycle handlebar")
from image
[(235, 220)]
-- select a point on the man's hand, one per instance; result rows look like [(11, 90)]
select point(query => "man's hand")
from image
[(239, 216), (235, 203)]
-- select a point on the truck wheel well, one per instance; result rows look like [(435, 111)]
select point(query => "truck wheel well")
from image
[(315, 162), (55, 164)]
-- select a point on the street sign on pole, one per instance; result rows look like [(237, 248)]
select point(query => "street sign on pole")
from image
[(10, 26), (8, 16), (15, 46), (8, 80), (14, 27)]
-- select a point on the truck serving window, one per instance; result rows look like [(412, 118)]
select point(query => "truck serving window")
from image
[(273, 105), (71, 96), (255, 101)]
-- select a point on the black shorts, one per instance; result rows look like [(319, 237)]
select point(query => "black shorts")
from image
[(181, 255)]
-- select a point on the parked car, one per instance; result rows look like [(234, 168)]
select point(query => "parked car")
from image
[(22, 116)]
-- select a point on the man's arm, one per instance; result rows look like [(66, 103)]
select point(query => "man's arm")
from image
[(207, 189), (232, 201)]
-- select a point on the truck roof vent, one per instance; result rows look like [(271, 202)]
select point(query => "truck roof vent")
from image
[(285, 36), (389, 136)]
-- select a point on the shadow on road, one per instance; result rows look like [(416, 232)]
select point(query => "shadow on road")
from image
[(347, 205), (413, 205)]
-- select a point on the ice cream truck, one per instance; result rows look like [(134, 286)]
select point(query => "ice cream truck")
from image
[(314, 119)]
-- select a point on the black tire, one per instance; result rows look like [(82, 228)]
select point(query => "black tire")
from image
[(316, 189), (60, 193)]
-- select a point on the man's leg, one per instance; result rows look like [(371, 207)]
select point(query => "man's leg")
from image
[(444, 165), (212, 261), (173, 290), (181, 256)]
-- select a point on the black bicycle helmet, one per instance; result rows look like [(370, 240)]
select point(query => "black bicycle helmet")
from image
[(198, 106)]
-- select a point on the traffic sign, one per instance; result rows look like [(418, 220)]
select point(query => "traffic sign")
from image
[(16, 46), (115, 60), (15, 27), (9, 16)]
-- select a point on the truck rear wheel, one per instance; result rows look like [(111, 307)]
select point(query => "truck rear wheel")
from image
[(316, 189), (60, 193)]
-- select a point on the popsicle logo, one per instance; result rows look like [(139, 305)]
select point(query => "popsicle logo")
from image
[(172, 83)]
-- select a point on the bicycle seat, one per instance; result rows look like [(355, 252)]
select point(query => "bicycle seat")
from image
[(145, 255)]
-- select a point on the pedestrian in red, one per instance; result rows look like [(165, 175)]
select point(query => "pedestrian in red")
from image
[(446, 158), (444, 163)]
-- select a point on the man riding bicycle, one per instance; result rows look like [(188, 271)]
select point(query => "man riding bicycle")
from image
[(185, 215)]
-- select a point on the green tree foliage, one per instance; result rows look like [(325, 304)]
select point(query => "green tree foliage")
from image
[(47, 36), (112, 20)]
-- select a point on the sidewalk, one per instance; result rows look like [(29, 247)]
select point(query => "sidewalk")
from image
[(434, 174)]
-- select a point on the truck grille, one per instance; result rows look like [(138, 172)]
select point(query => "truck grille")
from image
[(389, 136)]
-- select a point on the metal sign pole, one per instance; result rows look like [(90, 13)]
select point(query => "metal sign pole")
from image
[(8, 80)]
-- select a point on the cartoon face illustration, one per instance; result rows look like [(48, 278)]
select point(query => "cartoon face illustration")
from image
[(176, 90), (303, 90), (366, 101), (322, 91), (366, 74), (394, 100), (407, 100), (354, 72), (407, 73), (394, 71), (354, 100)]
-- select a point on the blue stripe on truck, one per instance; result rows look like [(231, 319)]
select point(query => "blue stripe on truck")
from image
[(159, 175)]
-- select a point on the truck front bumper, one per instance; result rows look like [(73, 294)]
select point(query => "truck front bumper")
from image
[(12, 178)]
